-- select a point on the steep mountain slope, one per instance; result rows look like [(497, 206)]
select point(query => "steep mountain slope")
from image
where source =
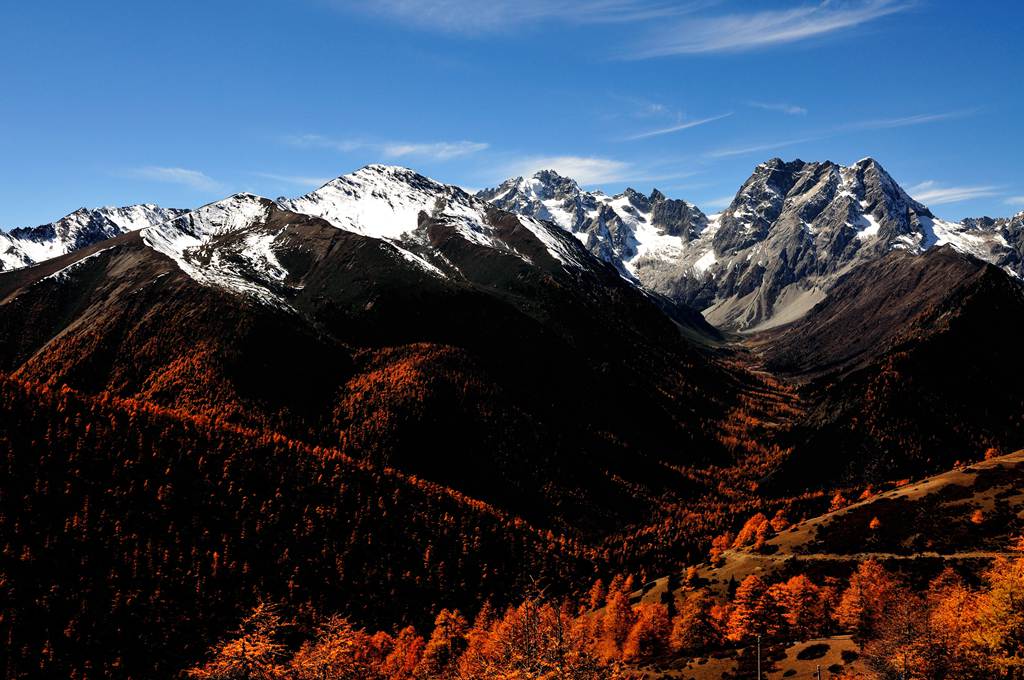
[(1010, 231), (135, 534), (633, 232), (794, 228), (251, 384), (487, 352), (30, 245), (388, 341), (965, 518), (791, 231), (910, 364)]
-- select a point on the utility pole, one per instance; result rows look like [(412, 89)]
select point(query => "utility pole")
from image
[(758, 657)]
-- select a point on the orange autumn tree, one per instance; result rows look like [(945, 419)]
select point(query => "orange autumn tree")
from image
[(405, 655), (952, 612), (755, 532), (596, 596), (650, 634), (340, 652), (719, 544), (254, 650), (756, 611), (694, 627), (535, 640), (805, 605), (445, 645), (899, 646), (871, 592), (618, 618), (1000, 616)]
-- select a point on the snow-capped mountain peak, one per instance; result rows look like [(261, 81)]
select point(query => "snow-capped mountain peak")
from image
[(235, 243), (384, 201), (791, 229), (622, 229), (26, 246), (387, 202)]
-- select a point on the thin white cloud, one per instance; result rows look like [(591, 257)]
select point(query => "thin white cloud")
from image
[(190, 178), (441, 151), (592, 170), (742, 32), (877, 124), (788, 109), (907, 121), (322, 142), (585, 170), (721, 202), (932, 193), (1014, 200), (729, 152), (297, 180), (647, 109), (676, 128), (637, 107), (474, 17)]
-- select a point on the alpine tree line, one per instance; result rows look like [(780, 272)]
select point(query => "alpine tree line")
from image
[(133, 534), (950, 631)]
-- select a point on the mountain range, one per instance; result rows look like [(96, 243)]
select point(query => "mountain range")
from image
[(26, 246), (790, 232), (393, 381)]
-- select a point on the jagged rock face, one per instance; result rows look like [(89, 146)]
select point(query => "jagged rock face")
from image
[(794, 227), (1013, 232), (251, 245), (1008, 251), (26, 246), (791, 231), (677, 218), (637, 234)]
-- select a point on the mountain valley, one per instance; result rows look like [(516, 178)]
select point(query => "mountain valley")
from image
[(390, 397)]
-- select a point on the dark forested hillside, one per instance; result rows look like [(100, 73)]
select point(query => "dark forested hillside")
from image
[(911, 364), (133, 534), (530, 390), (248, 405), (385, 444)]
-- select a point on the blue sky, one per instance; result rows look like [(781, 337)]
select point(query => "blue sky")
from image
[(181, 103)]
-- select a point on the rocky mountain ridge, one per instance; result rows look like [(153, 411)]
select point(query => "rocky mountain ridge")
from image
[(26, 246), (791, 231)]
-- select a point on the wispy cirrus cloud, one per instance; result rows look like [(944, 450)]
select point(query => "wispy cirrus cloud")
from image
[(746, 31), (682, 125), (583, 169), (309, 141), (932, 193), (170, 175), (721, 202), (594, 170), (908, 121), (440, 151), (1014, 200), (845, 129), (729, 152), (470, 17), (788, 109)]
